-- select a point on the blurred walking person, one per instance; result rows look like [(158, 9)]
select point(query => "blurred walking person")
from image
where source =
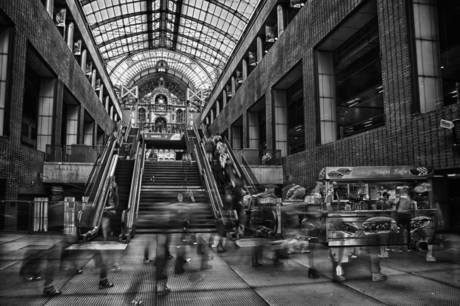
[(162, 253)]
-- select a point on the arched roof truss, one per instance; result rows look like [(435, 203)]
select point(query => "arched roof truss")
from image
[(202, 33)]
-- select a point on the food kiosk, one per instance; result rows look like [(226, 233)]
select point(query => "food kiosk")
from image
[(355, 206)]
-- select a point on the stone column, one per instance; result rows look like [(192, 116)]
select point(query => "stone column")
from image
[(70, 34), (260, 49), (84, 54), (281, 18)]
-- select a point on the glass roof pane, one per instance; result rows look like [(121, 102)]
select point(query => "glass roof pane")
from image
[(207, 33)]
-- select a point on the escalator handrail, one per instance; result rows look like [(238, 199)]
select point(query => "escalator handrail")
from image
[(249, 174), (135, 212), (206, 173), (210, 186), (128, 129), (98, 204), (101, 163), (127, 215), (213, 190), (240, 171), (131, 198), (98, 159), (214, 195)]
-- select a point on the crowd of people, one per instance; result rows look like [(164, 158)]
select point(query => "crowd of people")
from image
[(236, 197)]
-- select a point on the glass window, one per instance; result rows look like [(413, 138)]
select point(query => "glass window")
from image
[(4, 62), (132, 36), (449, 39), (296, 130), (350, 90), (358, 76)]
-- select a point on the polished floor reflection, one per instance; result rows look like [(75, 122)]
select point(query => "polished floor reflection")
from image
[(226, 277)]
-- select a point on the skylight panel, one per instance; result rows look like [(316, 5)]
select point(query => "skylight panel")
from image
[(124, 9), (102, 5), (94, 6), (110, 12), (210, 29), (117, 10)]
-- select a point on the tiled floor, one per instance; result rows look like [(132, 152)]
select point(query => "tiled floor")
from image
[(231, 280)]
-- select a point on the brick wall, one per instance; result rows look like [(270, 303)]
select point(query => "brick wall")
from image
[(34, 27), (406, 138)]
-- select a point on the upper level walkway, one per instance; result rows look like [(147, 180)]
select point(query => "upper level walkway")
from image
[(232, 280)]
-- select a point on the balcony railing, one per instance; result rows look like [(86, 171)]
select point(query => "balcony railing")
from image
[(170, 128), (254, 157), (75, 153)]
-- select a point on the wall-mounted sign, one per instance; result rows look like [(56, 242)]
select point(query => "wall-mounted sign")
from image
[(148, 136), (446, 124), (377, 172)]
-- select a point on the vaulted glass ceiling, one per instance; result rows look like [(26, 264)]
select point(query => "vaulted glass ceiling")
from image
[(195, 37)]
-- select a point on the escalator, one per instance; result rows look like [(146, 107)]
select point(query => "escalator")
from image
[(149, 192), (226, 218), (120, 159), (262, 212)]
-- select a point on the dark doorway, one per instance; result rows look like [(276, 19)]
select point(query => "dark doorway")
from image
[(454, 204), (24, 212)]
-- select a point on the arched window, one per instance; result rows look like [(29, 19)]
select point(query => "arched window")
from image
[(179, 116), (141, 115)]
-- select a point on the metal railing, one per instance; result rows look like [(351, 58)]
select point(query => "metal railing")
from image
[(170, 128), (129, 215), (72, 153), (88, 220), (254, 157), (242, 174), (102, 161), (248, 173), (207, 175)]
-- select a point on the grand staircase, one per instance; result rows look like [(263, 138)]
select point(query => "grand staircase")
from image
[(160, 209)]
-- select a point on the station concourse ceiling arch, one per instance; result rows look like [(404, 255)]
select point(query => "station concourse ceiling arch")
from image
[(195, 38)]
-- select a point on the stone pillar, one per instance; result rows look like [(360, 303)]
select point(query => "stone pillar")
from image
[(224, 97), (107, 100), (93, 78), (244, 65), (260, 49), (281, 18), (70, 34), (50, 7), (84, 54), (101, 93)]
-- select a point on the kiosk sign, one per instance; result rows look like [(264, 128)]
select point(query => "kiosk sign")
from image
[(378, 172)]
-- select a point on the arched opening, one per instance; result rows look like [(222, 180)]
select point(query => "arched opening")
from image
[(160, 125)]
